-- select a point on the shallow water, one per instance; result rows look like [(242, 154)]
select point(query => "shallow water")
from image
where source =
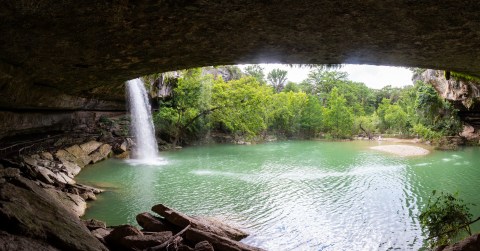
[(295, 195)]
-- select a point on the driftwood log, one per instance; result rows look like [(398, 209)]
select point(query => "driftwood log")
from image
[(174, 231), (204, 224)]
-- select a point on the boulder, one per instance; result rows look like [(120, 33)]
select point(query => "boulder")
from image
[(102, 153), (71, 168), (203, 246), (47, 156), (82, 158), (101, 233), (27, 209), (114, 238), (140, 242), (93, 224), (90, 146), (124, 155), (471, 243), (124, 146), (72, 202), (30, 161), (44, 174), (150, 223)]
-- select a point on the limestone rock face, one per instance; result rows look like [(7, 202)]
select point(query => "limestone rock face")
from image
[(9, 242), (34, 214), (81, 157), (72, 202), (102, 153), (90, 146), (464, 94)]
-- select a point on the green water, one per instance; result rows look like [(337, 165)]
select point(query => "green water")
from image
[(296, 195)]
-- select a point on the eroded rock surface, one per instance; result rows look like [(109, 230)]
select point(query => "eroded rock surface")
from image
[(28, 211)]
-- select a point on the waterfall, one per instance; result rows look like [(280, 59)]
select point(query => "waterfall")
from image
[(146, 148)]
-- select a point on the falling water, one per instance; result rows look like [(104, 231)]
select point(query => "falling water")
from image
[(141, 122)]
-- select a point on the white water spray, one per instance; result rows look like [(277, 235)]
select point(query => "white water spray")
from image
[(146, 149)]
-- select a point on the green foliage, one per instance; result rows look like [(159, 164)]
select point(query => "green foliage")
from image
[(464, 76), (396, 119), (338, 117), (445, 217), (178, 117), (244, 106), (277, 79), (368, 122), (427, 104), (257, 72), (288, 109), (291, 87), (312, 117), (326, 102), (425, 132)]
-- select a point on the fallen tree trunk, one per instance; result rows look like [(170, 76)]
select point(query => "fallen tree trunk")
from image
[(203, 224), (219, 243)]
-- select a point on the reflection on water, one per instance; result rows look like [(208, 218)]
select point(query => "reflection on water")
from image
[(293, 195)]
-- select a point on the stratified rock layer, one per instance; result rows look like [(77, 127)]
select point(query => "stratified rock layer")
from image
[(28, 211)]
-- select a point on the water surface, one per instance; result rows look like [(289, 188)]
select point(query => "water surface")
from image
[(295, 195)]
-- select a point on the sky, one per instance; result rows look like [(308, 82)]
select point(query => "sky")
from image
[(373, 76)]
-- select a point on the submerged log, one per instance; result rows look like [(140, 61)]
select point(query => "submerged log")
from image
[(206, 225)]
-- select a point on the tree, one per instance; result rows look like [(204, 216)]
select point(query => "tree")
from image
[(243, 106), (312, 117), (288, 111), (396, 118), (291, 87), (277, 79), (444, 218), (338, 117), (257, 72), (190, 101)]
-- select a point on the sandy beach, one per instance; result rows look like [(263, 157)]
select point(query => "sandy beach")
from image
[(402, 150)]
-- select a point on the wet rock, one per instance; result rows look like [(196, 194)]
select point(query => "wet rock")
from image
[(150, 223), (124, 155), (118, 233), (102, 153), (101, 233), (203, 246), (124, 146), (143, 241), (471, 243), (93, 224), (26, 208)]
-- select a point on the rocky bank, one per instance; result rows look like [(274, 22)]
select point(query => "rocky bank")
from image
[(40, 201)]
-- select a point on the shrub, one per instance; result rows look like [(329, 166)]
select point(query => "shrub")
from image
[(444, 218)]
